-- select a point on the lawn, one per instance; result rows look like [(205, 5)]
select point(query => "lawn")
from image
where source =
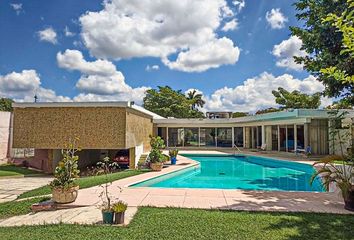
[(86, 182), (9, 209), (12, 170), (173, 223)]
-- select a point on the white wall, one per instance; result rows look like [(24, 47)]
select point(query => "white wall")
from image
[(5, 132), (138, 151)]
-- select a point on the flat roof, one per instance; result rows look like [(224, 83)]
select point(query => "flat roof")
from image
[(283, 115), (125, 104)]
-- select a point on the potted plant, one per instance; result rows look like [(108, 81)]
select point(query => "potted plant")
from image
[(173, 156), (106, 167), (64, 188), (156, 157), (119, 209), (338, 170)]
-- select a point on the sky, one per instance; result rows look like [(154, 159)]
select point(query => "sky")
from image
[(234, 52)]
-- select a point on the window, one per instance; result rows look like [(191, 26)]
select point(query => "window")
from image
[(238, 135), (207, 137), (175, 137), (224, 137), (191, 137)]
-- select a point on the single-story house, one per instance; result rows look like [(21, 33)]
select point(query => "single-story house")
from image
[(104, 128)]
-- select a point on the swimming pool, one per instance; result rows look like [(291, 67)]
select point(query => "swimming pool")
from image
[(239, 172)]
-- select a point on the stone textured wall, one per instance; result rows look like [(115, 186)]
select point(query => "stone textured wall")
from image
[(52, 127), (139, 127)]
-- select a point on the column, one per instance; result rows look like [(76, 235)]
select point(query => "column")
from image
[(252, 138), (216, 137), (244, 136), (198, 136), (166, 136), (295, 137), (286, 138), (306, 135), (233, 137), (263, 135), (278, 133)]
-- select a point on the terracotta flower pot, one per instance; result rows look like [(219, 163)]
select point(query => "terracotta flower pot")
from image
[(61, 195), (119, 217), (156, 166)]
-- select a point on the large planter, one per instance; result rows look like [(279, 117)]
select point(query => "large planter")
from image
[(173, 160), (107, 217), (349, 201), (62, 195), (119, 217), (156, 166)]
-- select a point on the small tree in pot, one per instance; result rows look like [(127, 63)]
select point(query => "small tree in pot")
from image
[(64, 188), (156, 157), (173, 155)]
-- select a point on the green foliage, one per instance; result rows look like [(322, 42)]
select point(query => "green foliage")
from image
[(155, 155), (67, 170), (327, 37), (173, 152), (119, 207), (268, 110), (296, 99), (170, 103), (339, 171), (6, 104), (341, 104), (239, 114), (171, 223), (196, 99)]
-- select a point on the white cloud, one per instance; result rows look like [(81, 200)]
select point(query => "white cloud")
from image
[(211, 55), (17, 7), (132, 28), (256, 93), (276, 19), (67, 32), (152, 68), (231, 25), (48, 35), (22, 86), (100, 80), (285, 52), (240, 4)]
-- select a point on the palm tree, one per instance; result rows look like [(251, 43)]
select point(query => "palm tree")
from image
[(196, 99)]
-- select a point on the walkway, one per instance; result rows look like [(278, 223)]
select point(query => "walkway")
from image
[(11, 188)]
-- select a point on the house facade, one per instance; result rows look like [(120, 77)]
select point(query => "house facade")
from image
[(104, 128)]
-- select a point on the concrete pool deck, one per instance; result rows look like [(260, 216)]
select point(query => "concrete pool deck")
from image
[(85, 209)]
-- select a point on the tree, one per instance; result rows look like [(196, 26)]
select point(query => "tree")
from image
[(268, 110), (239, 114), (170, 103), (196, 99), (296, 99), (326, 45), (6, 104)]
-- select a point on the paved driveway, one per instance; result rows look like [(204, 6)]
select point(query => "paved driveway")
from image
[(11, 188)]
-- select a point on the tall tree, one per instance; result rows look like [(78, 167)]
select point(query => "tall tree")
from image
[(296, 99), (170, 103), (324, 44), (196, 99), (6, 104)]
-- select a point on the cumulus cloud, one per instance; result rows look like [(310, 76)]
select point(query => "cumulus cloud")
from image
[(100, 80), (285, 52), (22, 86), (48, 35), (276, 19), (17, 7), (239, 4), (152, 68), (131, 28), (231, 25), (256, 93), (210, 55)]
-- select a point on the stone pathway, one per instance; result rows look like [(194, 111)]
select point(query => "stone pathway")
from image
[(82, 215), (11, 188)]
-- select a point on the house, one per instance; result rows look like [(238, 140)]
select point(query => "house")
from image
[(104, 128)]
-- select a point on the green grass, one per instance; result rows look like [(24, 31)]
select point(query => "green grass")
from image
[(85, 182), (12, 170), (9, 209), (173, 223)]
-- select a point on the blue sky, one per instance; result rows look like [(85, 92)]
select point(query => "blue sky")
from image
[(144, 44)]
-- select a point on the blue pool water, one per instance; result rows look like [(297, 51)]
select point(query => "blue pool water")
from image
[(239, 172)]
